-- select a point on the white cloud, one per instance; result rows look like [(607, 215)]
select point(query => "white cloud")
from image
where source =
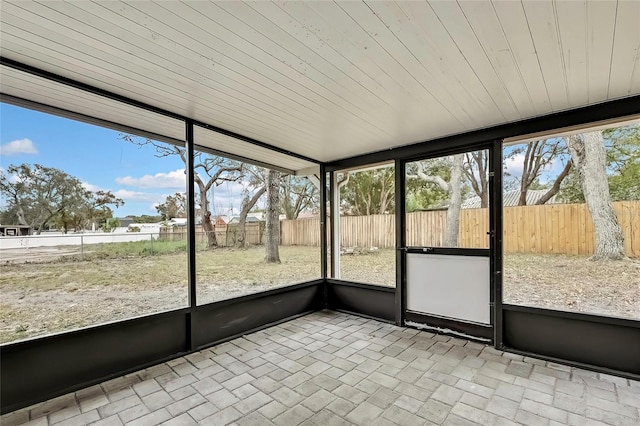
[(129, 195), (514, 164), (174, 179), (90, 187), (19, 146), (139, 196)]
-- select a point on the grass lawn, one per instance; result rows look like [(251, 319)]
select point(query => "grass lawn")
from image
[(42, 295)]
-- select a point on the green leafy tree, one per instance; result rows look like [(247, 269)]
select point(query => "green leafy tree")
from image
[(173, 206), (622, 147), (39, 196), (424, 194), (430, 172), (146, 218), (369, 192), (111, 224)]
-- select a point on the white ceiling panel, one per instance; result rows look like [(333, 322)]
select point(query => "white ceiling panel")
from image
[(625, 59), (241, 150), (30, 88), (326, 80)]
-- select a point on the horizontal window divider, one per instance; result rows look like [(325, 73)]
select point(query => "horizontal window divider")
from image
[(576, 364), (378, 287), (36, 340), (578, 316), (270, 292), (448, 251), (253, 330)]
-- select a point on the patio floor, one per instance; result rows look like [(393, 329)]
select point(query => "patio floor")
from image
[(330, 368)]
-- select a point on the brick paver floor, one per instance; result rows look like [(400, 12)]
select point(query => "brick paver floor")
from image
[(330, 368)]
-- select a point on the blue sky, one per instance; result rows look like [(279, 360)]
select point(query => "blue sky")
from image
[(98, 158)]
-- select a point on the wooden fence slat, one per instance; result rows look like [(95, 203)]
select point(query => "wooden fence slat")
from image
[(556, 228)]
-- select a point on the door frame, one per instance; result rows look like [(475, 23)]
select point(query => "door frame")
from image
[(493, 332)]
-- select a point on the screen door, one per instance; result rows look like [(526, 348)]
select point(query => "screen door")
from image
[(447, 267)]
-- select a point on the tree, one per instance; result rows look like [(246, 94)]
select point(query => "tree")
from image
[(537, 156), (453, 188), (455, 202), (297, 194), (173, 206), (476, 170), (39, 196), (272, 254), (209, 170), (145, 218), (588, 154), (111, 224), (257, 180), (92, 208), (622, 146), (245, 207), (369, 192)]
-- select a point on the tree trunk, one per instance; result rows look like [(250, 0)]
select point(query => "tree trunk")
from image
[(455, 202), (272, 254), (21, 219), (209, 230), (247, 205), (207, 226), (589, 158), (484, 199)]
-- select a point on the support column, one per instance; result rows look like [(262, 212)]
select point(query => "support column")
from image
[(334, 194), (495, 244), (400, 299), (191, 230), (322, 187)]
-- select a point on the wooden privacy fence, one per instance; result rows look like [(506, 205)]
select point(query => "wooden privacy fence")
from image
[(553, 229), (226, 234)]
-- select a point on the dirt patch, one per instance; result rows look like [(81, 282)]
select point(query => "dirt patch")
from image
[(37, 254), (572, 283), (43, 295), (51, 294)]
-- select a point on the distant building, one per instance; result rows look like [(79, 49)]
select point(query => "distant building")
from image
[(145, 228), (222, 220), (307, 215), (250, 219), (177, 221), (14, 230), (125, 221)]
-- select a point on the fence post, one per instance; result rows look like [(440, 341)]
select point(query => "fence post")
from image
[(151, 235), (82, 246)]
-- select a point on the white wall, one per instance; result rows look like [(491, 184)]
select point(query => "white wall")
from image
[(48, 240)]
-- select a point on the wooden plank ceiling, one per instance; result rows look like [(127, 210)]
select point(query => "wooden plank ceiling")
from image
[(329, 80)]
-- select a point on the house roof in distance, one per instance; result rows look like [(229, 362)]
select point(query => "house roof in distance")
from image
[(511, 198)]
